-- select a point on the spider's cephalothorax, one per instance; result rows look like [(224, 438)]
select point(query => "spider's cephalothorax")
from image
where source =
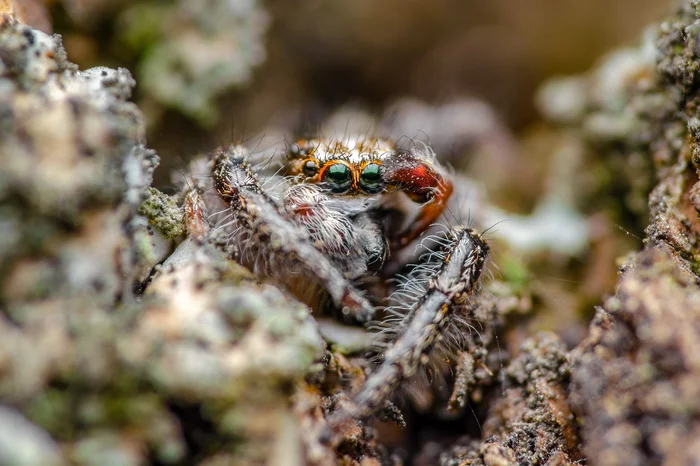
[(329, 221), (362, 166)]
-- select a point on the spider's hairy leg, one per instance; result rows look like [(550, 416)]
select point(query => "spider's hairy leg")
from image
[(268, 235), (419, 175), (195, 215), (446, 281)]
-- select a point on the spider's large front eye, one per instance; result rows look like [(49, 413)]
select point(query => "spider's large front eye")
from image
[(338, 177), (371, 179)]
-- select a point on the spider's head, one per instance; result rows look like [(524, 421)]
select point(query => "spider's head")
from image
[(351, 166), (362, 166)]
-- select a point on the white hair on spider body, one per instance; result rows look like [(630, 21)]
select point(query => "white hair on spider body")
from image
[(429, 300)]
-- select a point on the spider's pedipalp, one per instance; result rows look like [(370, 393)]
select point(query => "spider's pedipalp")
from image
[(271, 243), (418, 174), (448, 286)]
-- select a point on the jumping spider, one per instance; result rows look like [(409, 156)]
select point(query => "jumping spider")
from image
[(329, 213)]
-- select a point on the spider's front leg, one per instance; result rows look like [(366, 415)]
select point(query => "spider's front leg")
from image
[(443, 284), (419, 175), (266, 236)]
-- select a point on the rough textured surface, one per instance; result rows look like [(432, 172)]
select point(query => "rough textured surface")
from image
[(636, 376), (530, 422), (73, 173), (90, 373)]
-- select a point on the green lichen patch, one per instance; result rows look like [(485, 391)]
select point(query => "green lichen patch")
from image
[(164, 212)]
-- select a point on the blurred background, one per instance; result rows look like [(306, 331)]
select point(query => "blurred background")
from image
[(213, 70)]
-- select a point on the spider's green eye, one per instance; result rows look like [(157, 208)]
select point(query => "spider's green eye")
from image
[(338, 177), (371, 179)]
